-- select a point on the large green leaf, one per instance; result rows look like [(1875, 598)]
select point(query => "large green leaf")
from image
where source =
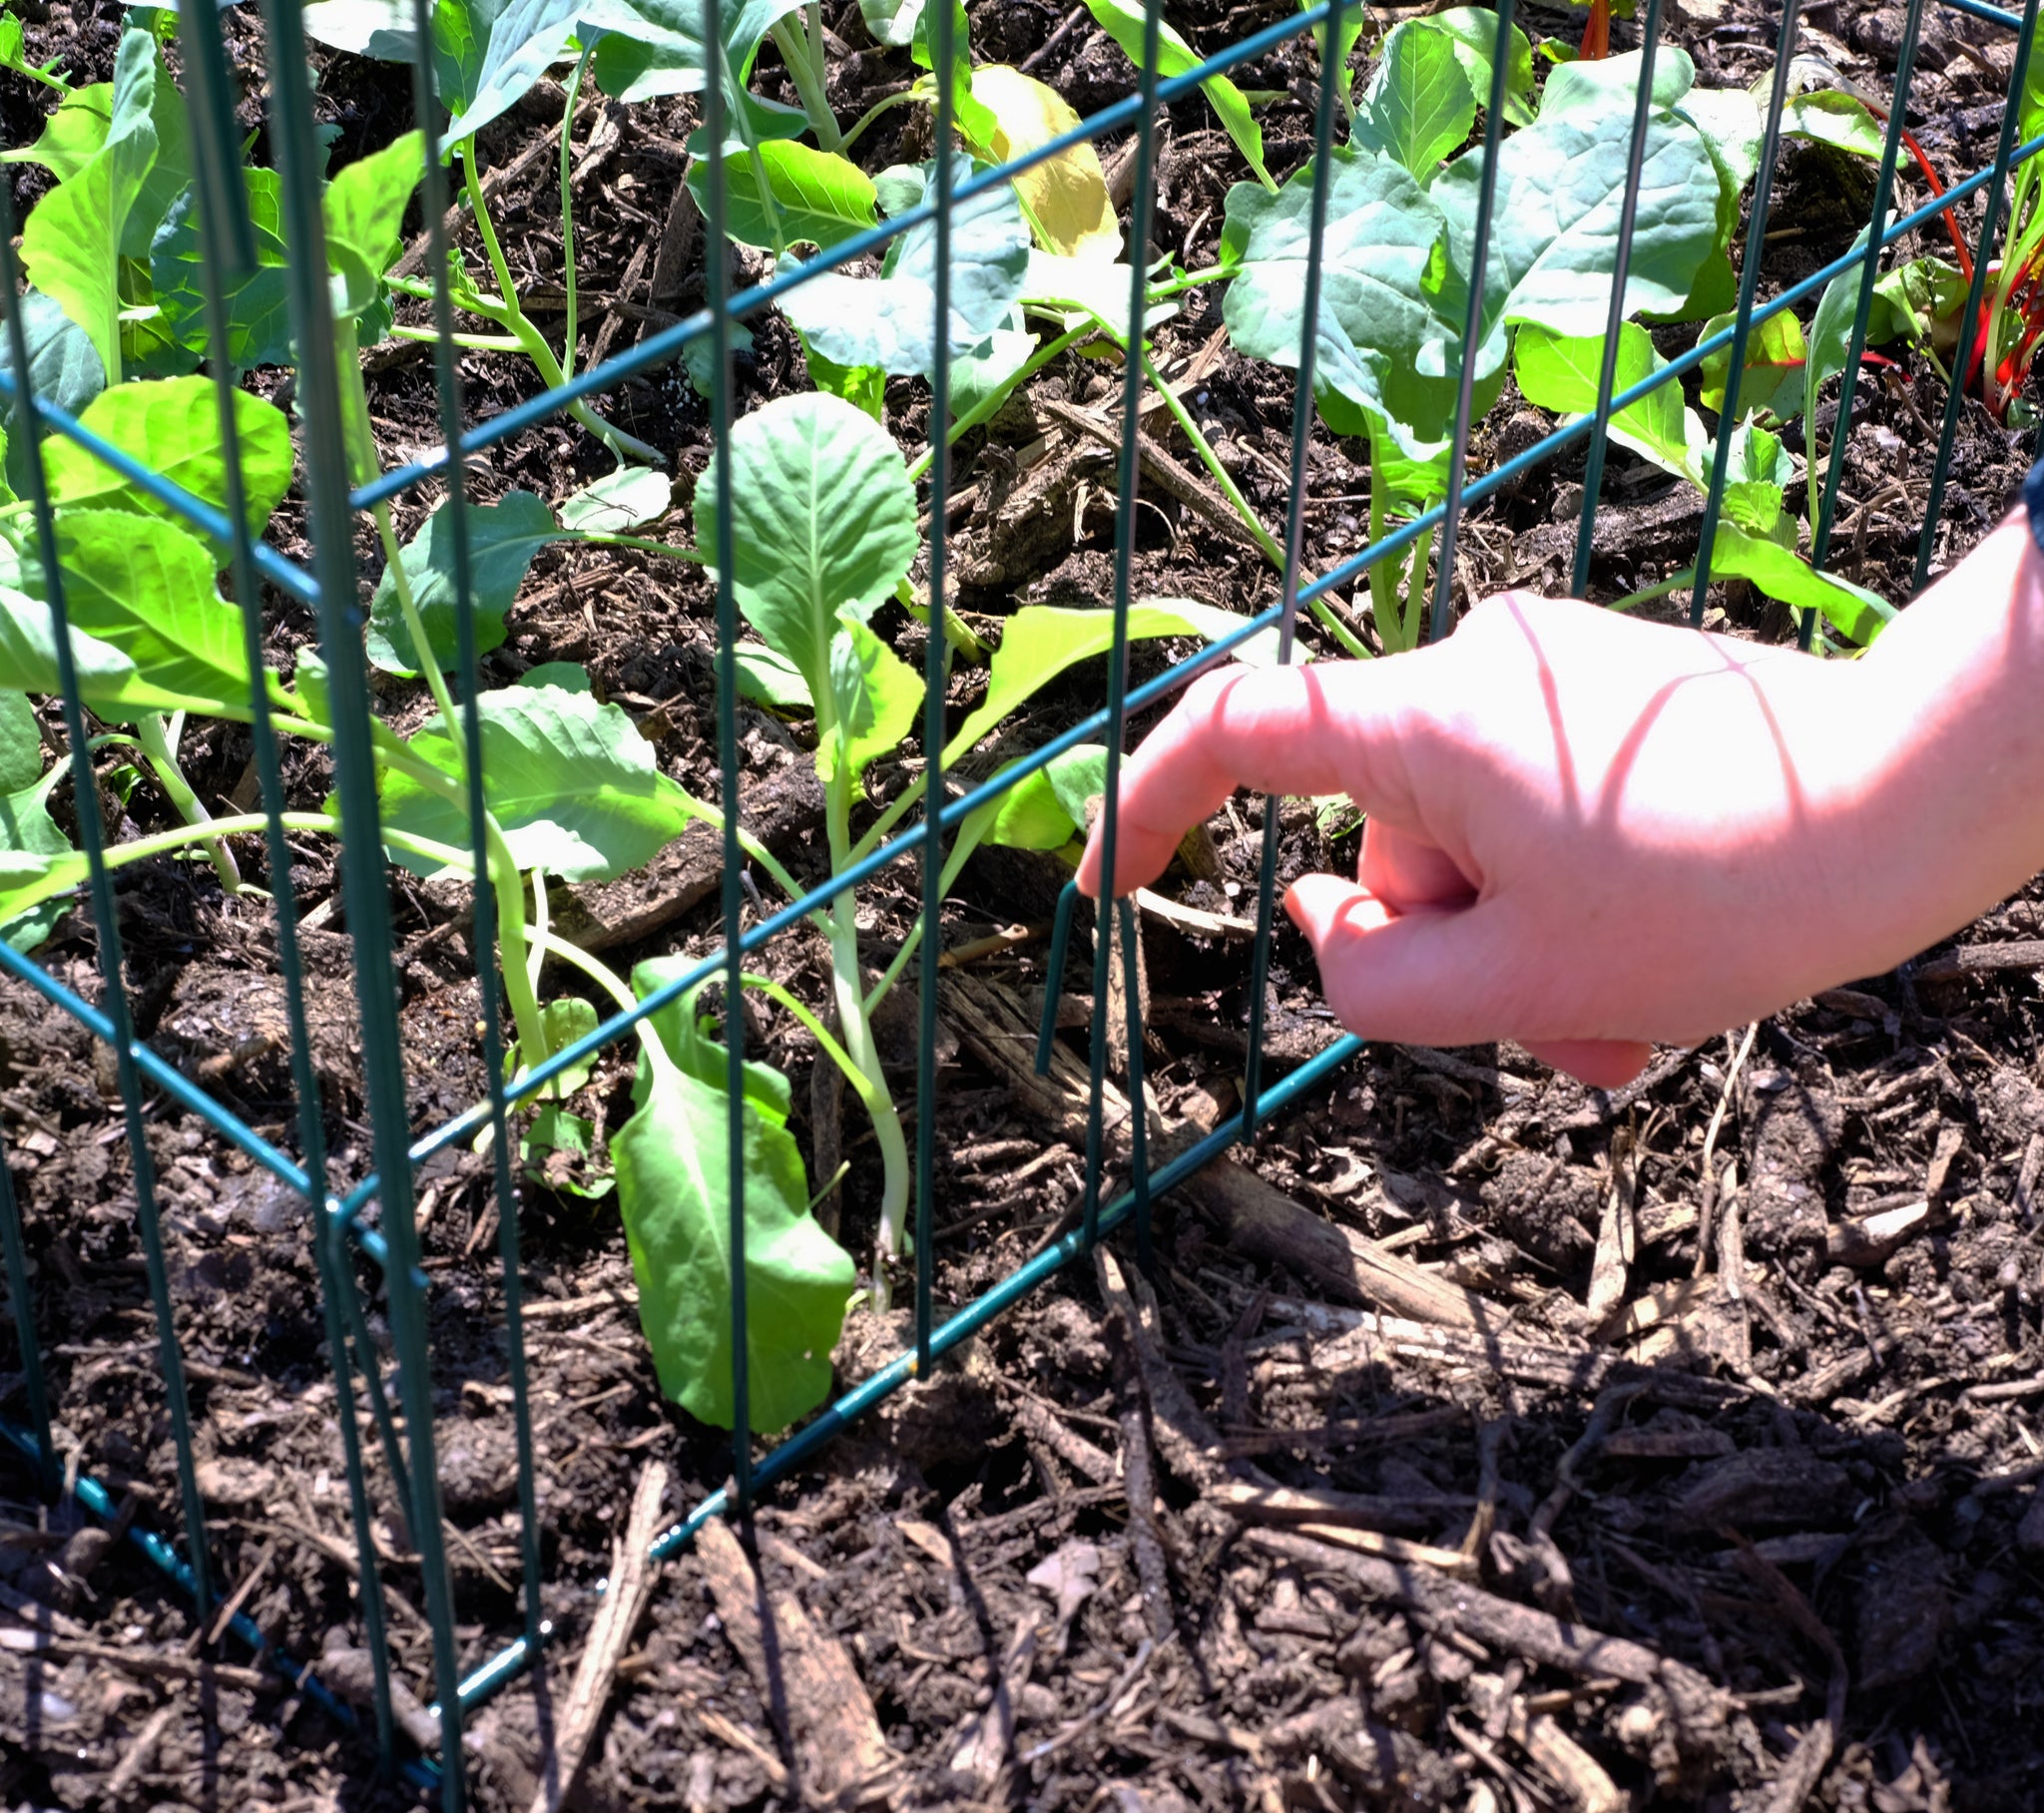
[(573, 783), (72, 244), (524, 38), (1782, 573), (645, 48), (502, 539), (686, 1038), (1906, 301), (259, 300), (28, 834), (818, 197), (874, 693), (1554, 232), (1122, 20), (108, 682), (172, 426), (146, 587), (63, 370), (824, 517), (1607, 83), (1473, 30), (1418, 106), (891, 324), (1392, 304), (891, 22), (73, 135), (1561, 372), (1041, 641), (364, 208), (674, 1192), (1829, 117)]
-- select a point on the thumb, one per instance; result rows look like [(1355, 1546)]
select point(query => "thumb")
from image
[(1434, 976)]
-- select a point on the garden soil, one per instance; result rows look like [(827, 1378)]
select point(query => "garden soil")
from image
[(1485, 1443)]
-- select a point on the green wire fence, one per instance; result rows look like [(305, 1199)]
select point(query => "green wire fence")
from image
[(328, 583)]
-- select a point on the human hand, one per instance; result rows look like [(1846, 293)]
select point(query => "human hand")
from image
[(1584, 832)]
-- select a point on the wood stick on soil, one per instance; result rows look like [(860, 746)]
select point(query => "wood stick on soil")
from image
[(803, 1674), (632, 1574), (1697, 1712), (1250, 1216), (1982, 960)]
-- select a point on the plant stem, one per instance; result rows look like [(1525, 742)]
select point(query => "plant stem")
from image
[(163, 759), (568, 208), (873, 113), (969, 835), (1264, 539), (1673, 583), (468, 343), (989, 406), (530, 341), (802, 49), (1415, 590)]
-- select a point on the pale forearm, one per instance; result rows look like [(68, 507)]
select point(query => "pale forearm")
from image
[(1955, 705)]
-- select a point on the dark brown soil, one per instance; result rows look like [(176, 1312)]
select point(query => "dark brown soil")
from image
[(1809, 1487)]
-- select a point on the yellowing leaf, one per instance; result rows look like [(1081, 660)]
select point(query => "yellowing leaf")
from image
[(1065, 196)]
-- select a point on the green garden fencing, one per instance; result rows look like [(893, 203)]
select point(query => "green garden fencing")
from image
[(328, 279)]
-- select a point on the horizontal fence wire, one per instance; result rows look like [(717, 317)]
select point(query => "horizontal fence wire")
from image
[(329, 587)]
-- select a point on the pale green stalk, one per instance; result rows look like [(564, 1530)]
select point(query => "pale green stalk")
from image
[(157, 748)]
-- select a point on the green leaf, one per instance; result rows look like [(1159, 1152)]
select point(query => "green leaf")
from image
[(992, 367), (818, 197), (502, 540), (1352, 24), (145, 588), (1392, 304), (824, 518), (1041, 641), (174, 426), (63, 370), (891, 324), (524, 38), (1771, 383), (1473, 30), (975, 119), (1835, 118), (259, 300), (645, 48), (865, 387), (563, 1021), (699, 356), (686, 1039), (26, 828), (1065, 196), (674, 1192), (370, 28), (364, 208), (1614, 82), (1079, 287), (891, 22), (874, 697), (560, 1151), (1732, 127), (73, 135), (1048, 809), (1418, 106), (72, 244), (619, 502), (1559, 188), (570, 677), (771, 680), (1782, 573), (1122, 20), (572, 782), (1561, 372)]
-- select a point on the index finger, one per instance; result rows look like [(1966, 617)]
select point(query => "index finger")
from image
[(1274, 729)]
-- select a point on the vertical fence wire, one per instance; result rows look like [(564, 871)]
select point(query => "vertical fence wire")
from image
[(364, 882), (34, 1386), (936, 671), (1614, 320), (114, 1004), (1140, 211), (482, 893), (1971, 324), (1473, 331), (1742, 327), (229, 246), (1869, 274), (1333, 78), (716, 256)]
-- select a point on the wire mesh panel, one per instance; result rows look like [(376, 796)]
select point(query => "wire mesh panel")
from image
[(1422, 247)]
